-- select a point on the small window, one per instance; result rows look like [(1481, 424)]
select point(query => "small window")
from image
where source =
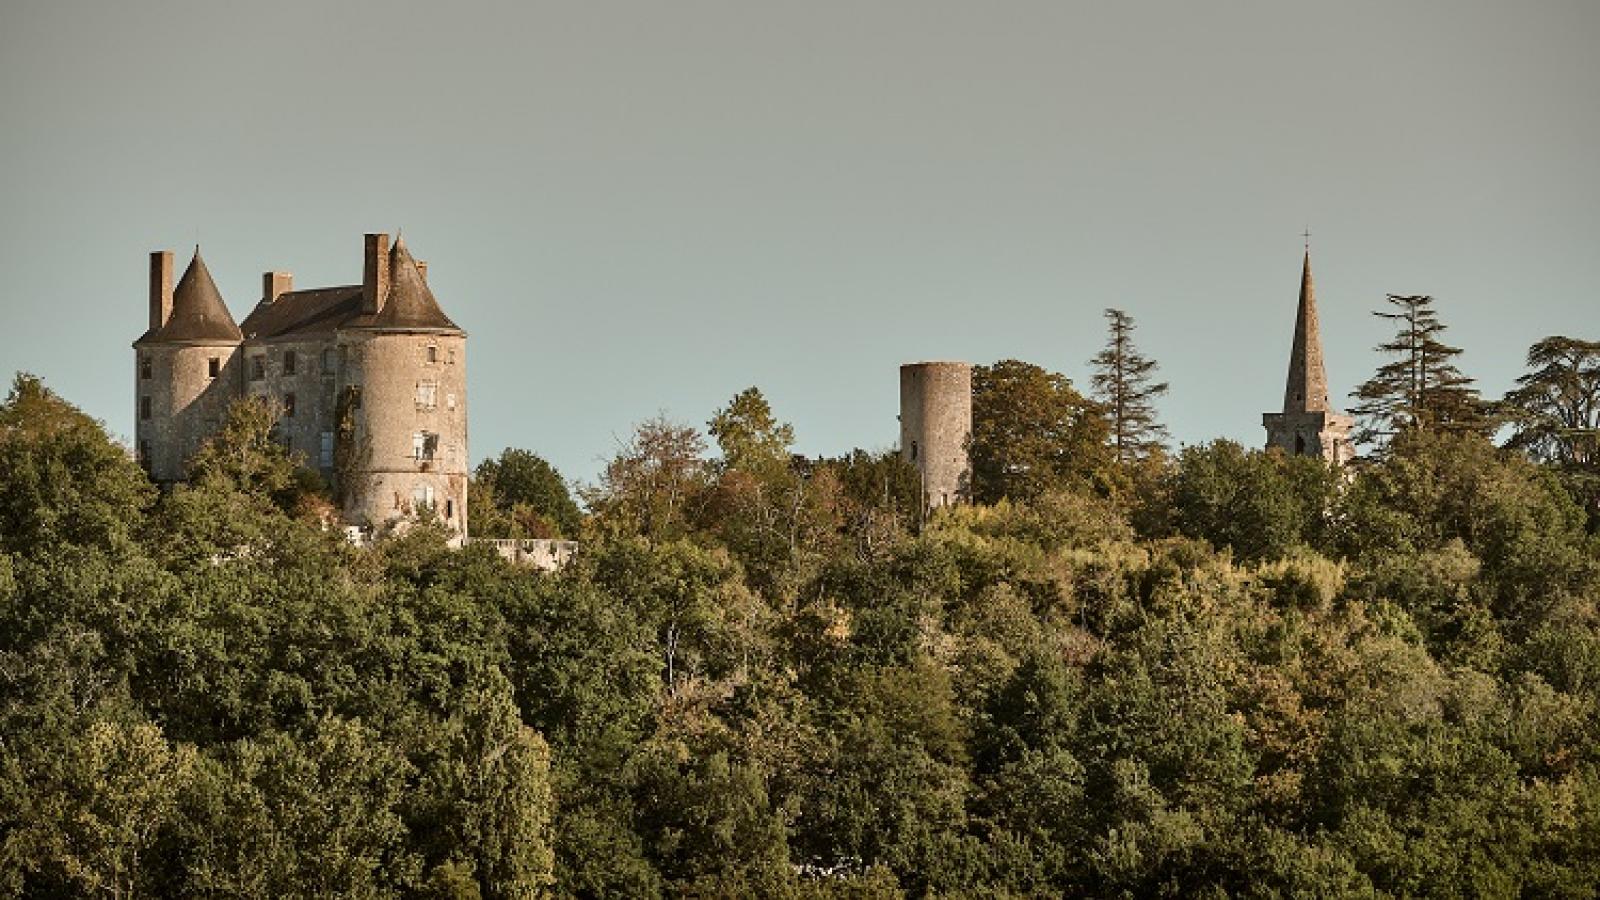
[(449, 508), (427, 394), (288, 362), (422, 496), (450, 357), (328, 360), (288, 406), (913, 451), (214, 366), (424, 444), (146, 367), (325, 451), (258, 368), (450, 401), (144, 455), (144, 407), (433, 354)]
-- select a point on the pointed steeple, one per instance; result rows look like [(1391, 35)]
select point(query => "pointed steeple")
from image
[(410, 302), (198, 313), (1307, 386)]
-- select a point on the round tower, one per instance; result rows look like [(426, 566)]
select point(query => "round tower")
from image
[(401, 409), (186, 367), (936, 428)]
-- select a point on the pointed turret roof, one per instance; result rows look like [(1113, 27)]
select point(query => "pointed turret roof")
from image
[(198, 313), (410, 302), (1307, 387)]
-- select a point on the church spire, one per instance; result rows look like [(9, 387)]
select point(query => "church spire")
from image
[(1307, 386)]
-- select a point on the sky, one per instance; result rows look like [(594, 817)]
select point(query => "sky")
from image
[(642, 207)]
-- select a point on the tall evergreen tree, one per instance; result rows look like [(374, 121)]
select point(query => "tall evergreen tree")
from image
[(1124, 384), (1422, 389), (1555, 408)]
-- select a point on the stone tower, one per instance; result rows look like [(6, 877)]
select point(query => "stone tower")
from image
[(186, 367), (404, 432), (1309, 425), (936, 427)]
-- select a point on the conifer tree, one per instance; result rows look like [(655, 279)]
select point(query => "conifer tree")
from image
[(1555, 409), (1421, 389), (1123, 384)]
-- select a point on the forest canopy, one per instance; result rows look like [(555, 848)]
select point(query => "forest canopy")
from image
[(1223, 672)]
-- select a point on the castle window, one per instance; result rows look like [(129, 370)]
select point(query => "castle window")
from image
[(327, 361), (288, 362), (424, 444), (450, 401), (325, 451), (422, 497), (288, 406), (449, 508), (450, 357), (913, 451), (1299, 445), (146, 367), (144, 407), (214, 366), (433, 354), (427, 394), (144, 456), (258, 368)]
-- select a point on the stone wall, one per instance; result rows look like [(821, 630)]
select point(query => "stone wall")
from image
[(186, 403), (411, 385)]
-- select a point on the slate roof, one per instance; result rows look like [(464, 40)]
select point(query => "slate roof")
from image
[(198, 313), (410, 305)]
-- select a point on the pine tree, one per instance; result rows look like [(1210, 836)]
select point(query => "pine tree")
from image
[(1422, 389), (1123, 385)]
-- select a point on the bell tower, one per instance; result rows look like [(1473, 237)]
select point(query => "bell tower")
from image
[(1309, 425)]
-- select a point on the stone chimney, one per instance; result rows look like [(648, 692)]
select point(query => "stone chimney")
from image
[(275, 285), (160, 288), (375, 279)]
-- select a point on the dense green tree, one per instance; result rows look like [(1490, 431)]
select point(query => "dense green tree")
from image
[(1259, 504), (519, 494), (1031, 432)]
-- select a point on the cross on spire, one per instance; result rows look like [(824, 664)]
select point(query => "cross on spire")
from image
[(1307, 235)]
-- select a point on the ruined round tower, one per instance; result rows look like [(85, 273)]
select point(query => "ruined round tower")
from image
[(186, 367), (936, 428), (401, 414)]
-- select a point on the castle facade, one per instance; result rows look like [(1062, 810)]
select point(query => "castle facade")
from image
[(369, 380)]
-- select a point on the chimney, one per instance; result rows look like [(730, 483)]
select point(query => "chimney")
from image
[(422, 268), (275, 284), (375, 279), (160, 288)]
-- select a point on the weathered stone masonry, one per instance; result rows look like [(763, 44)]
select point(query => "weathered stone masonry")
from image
[(370, 379)]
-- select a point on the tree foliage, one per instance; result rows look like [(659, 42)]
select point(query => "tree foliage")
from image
[(519, 494), (1421, 389), (1301, 683), (1032, 432)]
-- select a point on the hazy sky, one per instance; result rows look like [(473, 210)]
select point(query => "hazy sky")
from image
[(635, 207)]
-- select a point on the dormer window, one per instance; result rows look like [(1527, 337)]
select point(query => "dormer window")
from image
[(214, 367)]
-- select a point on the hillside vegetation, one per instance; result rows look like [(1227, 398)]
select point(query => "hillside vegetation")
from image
[(1221, 673)]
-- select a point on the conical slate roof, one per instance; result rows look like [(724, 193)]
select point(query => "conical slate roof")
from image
[(198, 313), (410, 303), (1307, 386)]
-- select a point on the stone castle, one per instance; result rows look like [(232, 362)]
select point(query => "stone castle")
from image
[(369, 380)]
